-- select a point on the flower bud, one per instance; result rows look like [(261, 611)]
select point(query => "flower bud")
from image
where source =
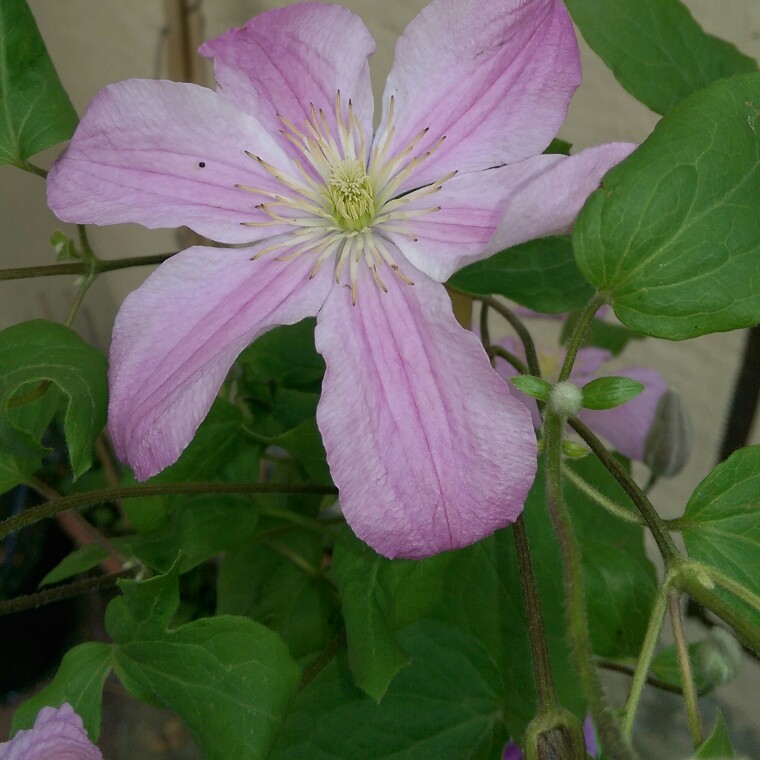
[(565, 399), (555, 735), (719, 657), (669, 442)]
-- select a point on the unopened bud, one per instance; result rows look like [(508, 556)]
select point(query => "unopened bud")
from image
[(555, 735), (565, 399), (668, 444), (719, 657)]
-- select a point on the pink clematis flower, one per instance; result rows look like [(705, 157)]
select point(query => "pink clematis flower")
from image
[(57, 734), (429, 450), (625, 427)]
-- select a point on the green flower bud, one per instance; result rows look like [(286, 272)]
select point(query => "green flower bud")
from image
[(565, 399), (668, 444)]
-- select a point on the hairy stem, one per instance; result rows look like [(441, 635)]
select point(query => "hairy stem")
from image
[(35, 514), (520, 329), (86, 533), (684, 664), (645, 658), (579, 334), (630, 670), (653, 520), (575, 594), (82, 268), (600, 498), (84, 586), (515, 361), (542, 672)]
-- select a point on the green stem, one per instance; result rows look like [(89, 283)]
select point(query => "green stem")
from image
[(645, 658), (35, 514), (542, 672), (322, 661), (295, 518), (575, 594), (8, 606), (81, 268), (684, 664), (600, 498), (653, 520), (28, 166), (657, 683), (579, 334), (485, 333), (515, 361), (81, 293), (728, 583), (522, 332), (292, 556), (703, 594)]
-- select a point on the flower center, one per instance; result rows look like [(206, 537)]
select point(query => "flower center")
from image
[(345, 199), (351, 195)]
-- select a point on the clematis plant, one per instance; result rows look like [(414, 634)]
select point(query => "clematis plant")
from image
[(476, 572), (356, 226)]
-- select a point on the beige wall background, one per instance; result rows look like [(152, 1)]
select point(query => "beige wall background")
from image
[(95, 42)]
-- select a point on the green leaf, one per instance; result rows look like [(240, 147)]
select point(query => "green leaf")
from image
[(721, 523), (79, 561), (532, 386), (656, 50), (263, 582), (447, 703), (37, 112), (304, 442), (229, 679), (284, 356), (38, 351), (379, 596), (541, 275), (609, 392), (33, 418), (65, 248), (673, 235), (200, 527), (79, 681), (478, 590), (717, 746), (563, 147)]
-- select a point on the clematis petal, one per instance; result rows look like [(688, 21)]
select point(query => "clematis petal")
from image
[(494, 76), (485, 212), (548, 192), (165, 154), (283, 60), (427, 447), (469, 213), (177, 335), (57, 733), (626, 427)]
